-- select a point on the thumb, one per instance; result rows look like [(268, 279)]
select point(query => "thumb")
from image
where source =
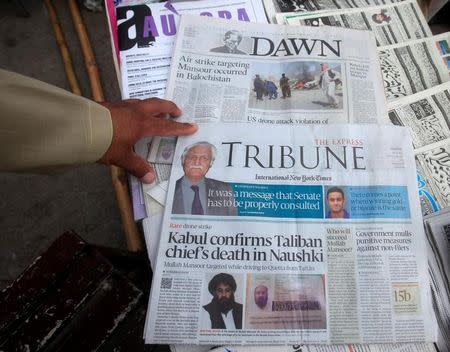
[(139, 167)]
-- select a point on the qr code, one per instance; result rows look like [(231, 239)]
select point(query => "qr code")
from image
[(166, 283)]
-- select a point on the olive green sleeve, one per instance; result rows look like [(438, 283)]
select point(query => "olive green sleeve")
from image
[(42, 126)]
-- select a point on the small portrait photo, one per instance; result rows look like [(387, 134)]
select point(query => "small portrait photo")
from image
[(336, 202), (285, 301), (303, 85), (443, 47), (381, 18), (221, 302), (197, 194), (230, 43)]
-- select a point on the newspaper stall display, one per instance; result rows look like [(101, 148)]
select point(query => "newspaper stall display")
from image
[(158, 200), (414, 66), (391, 23), (428, 115), (145, 33), (288, 234), (274, 7), (275, 74)]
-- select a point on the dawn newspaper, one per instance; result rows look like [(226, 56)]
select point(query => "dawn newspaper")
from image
[(293, 234), (233, 71)]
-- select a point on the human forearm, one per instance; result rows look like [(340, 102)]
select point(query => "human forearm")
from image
[(43, 126)]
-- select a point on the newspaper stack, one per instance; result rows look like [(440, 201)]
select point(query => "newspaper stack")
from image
[(412, 63), (269, 225), (264, 217), (145, 34)]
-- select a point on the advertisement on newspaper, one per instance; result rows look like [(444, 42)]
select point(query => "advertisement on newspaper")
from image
[(292, 234), (146, 35), (233, 71)]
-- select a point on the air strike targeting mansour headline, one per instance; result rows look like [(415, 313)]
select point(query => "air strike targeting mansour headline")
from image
[(291, 248)]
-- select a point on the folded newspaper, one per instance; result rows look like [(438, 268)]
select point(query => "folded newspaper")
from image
[(391, 23), (412, 67), (437, 228), (274, 74), (292, 234), (274, 7), (428, 115), (146, 35)]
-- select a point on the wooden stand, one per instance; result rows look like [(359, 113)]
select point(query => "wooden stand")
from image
[(72, 298), (119, 177)]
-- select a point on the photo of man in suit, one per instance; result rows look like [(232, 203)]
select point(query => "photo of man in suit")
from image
[(231, 41), (196, 194), (224, 312)]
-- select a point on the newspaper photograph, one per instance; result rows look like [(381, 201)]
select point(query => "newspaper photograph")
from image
[(146, 35), (282, 6), (275, 74), (292, 234), (390, 23), (411, 67)]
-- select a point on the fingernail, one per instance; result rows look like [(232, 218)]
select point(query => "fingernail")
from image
[(149, 177)]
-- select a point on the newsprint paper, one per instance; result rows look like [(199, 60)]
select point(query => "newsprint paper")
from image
[(146, 33), (391, 23), (428, 115), (273, 7), (412, 67), (292, 234), (272, 74), (437, 229), (146, 37)]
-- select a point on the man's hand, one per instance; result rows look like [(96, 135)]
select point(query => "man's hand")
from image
[(134, 119)]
